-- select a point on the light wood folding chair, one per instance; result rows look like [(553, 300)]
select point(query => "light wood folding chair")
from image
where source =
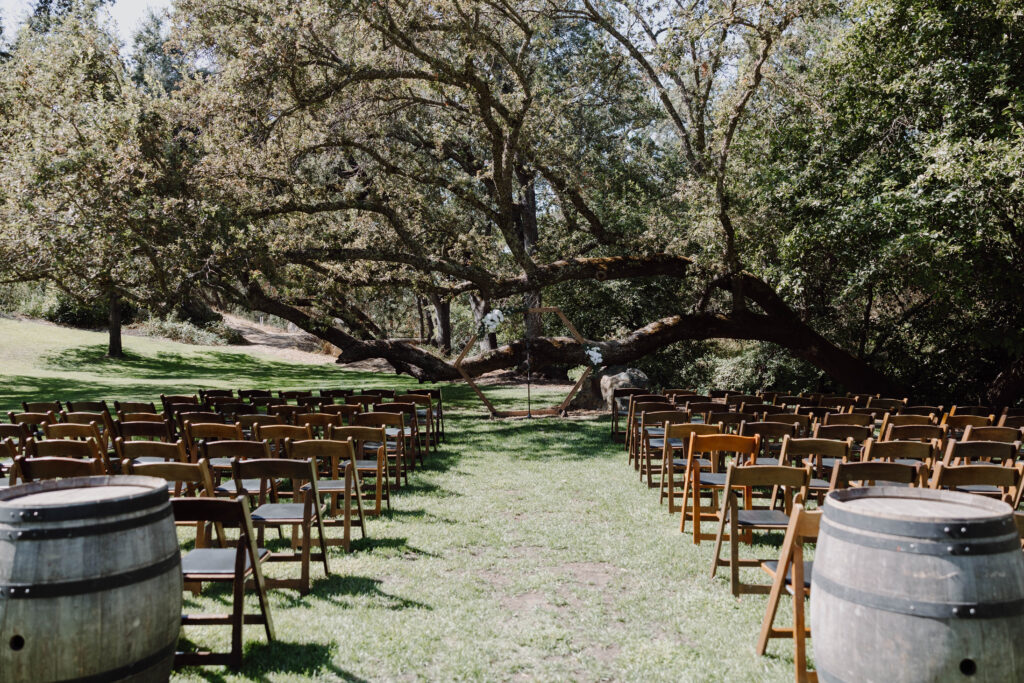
[(870, 473), (821, 455), (319, 422), (980, 453), (276, 434), (77, 432), (188, 479), (346, 411), (676, 440), (140, 452), (238, 566), (198, 433), (772, 435), (789, 479), (341, 485), (146, 431), (792, 574), (1000, 482), (696, 482), (1004, 434), (221, 455), (54, 407), (791, 418), (302, 517), (18, 435)]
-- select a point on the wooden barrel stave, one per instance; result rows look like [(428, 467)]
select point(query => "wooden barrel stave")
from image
[(114, 607), (882, 610)]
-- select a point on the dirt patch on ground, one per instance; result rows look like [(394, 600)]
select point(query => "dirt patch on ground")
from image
[(525, 602), (598, 574)]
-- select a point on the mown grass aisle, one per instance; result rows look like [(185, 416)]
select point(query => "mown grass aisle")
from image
[(526, 550)]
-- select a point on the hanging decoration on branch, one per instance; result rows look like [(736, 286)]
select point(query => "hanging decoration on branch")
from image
[(490, 324)]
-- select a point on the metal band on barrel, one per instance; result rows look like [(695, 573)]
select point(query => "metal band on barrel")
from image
[(915, 546), (92, 585)]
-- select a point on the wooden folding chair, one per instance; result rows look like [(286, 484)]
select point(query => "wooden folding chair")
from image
[(371, 460), (67, 448), (300, 516), (145, 431), (772, 435), (78, 432), (849, 419), (792, 574), (651, 441), (1000, 482), (730, 422), (198, 433), (790, 479), (804, 421), (145, 417), (937, 433), (632, 414), (821, 455), (424, 418), (981, 453), (184, 479), (319, 422), (236, 566), (34, 469), (102, 419), (18, 435), (696, 481), (294, 394), (221, 455), (341, 485), (42, 407), (121, 407), (958, 423), (676, 439), (275, 435), (877, 472), (33, 421), (1004, 434), (438, 408), (905, 452), (394, 444), (409, 429), (345, 411), (254, 393)]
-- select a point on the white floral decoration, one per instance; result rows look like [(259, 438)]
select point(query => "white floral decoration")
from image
[(492, 321), (594, 354)]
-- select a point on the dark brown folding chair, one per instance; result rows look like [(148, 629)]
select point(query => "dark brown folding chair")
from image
[(236, 566), (33, 469), (300, 516), (371, 461), (336, 459), (140, 452), (877, 472)]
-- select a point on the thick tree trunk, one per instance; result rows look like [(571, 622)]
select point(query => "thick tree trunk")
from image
[(114, 349), (442, 323)]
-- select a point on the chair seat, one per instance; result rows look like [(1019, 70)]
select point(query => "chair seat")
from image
[(773, 567), (393, 431), (819, 483), (366, 465), (325, 485), (980, 488), (712, 478), (279, 512), (229, 486), (660, 443), (701, 462), (826, 463), (762, 518), (220, 463), (216, 561), (655, 431), (147, 460)]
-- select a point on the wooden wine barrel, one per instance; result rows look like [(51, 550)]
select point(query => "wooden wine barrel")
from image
[(90, 580), (917, 585)]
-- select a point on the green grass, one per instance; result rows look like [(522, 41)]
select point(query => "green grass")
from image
[(524, 550)]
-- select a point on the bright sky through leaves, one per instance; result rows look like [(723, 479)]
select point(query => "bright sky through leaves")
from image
[(127, 14)]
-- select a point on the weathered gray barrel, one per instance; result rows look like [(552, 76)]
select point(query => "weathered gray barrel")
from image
[(917, 585), (90, 580)]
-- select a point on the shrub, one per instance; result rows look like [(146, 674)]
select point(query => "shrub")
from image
[(210, 334)]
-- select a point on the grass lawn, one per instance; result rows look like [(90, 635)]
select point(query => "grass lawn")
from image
[(524, 550)]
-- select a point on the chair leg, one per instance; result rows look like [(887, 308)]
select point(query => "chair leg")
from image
[(723, 515), (734, 543)]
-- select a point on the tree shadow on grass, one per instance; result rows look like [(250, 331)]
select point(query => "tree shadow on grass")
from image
[(548, 439), (261, 659), (336, 587)]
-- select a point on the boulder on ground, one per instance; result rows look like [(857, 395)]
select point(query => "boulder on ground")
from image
[(596, 392)]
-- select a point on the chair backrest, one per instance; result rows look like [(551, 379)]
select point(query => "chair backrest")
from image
[(891, 420), (737, 399), (790, 418), (704, 407), (134, 407), (685, 430), (891, 405), (915, 433), (216, 393), (346, 411), (336, 393), (321, 420), (983, 411), (922, 410), (657, 418), (133, 450), (294, 394), (359, 435), (728, 418), (846, 473), (33, 420), (844, 402), (231, 410), (250, 421), (88, 407), (407, 409), (961, 422), (333, 455), (794, 450), (253, 393), (948, 477), (726, 443), (18, 434), (264, 401), (34, 469), (364, 400), (201, 431), (63, 430), (267, 469), (286, 412), (768, 431), (276, 434), (102, 420), (852, 419), (143, 417), (177, 399), (842, 432), (149, 431), (380, 419), (200, 417), (966, 452), (1004, 434), (384, 393), (767, 475), (898, 450), (246, 450), (218, 400), (760, 408), (62, 448), (1015, 421), (41, 406), (313, 402), (195, 475)]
